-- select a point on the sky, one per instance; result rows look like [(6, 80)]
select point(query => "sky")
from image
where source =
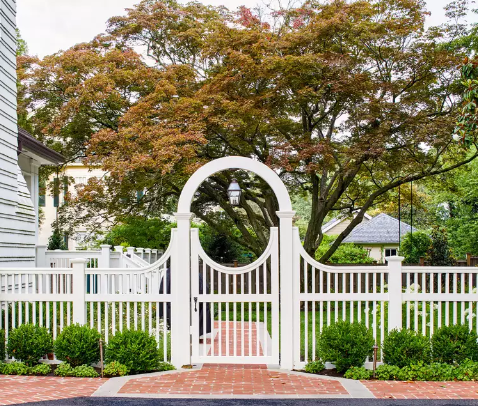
[(52, 25)]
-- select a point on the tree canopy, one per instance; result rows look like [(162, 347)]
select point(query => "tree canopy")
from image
[(345, 100)]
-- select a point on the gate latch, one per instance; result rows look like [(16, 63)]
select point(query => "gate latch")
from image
[(195, 304)]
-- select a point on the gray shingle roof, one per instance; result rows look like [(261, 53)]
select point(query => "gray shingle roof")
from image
[(382, 229)]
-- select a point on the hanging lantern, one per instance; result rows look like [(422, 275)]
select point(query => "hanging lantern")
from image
[(234, 192)]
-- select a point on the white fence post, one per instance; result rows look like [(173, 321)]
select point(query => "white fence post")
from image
[(104, 260), (394, 292), (148, 255), (286, 289), (180, 290), (154, 255), (140, 252), (40, 256), (130, 251), (79, 287)]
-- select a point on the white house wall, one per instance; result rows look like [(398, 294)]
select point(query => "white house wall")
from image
[(17, 217)]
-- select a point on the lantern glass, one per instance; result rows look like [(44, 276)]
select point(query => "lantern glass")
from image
[(234, 193)]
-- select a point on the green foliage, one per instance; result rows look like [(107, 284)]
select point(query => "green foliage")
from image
[(358, 373), (114, 368), (64, 369), (345, 344), (142, 232), (220, 246), (314, 367), (415, 246), (40, 369), (466, 371), (134, 348), (56, 241), (165, 366), (405, 347), (387, 372), (454, 343), (2, 345), (28, 343), (439, 252), (14, 368), (345, 254), (78, 345), (85, 371)]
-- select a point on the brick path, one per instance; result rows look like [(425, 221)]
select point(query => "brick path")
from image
[(223, 379), (252, 346), (23, 389), (422, 390)]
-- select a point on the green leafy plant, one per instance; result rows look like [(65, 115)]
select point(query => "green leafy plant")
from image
[(415, 246), (387, 372), (314, 367), (40, 369), (64, 369), (134, 348), (345, 344), (2, 345), (466, 371), (414, 372), (454, 343), (85, 371), (78, 345), (406, 347), (115, 369), (345, 253), (15, 368), (358, 373), (29, 343), (165, 366)]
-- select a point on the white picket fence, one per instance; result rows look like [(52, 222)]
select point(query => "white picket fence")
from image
[(243, 303)]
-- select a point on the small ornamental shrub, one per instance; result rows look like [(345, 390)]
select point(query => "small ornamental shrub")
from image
[(387, 372), (454, 344), (78, 345), (406, 347), (64, 369), (85, 371), (165, 366), (2, 345), (15, 368), (40, 369), (115, 369), (345, 344), (28, 343), (466, 371), (414, 372), (358, 373), (134, 348), (314, 367)]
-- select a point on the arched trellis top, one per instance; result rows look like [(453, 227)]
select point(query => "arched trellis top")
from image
[(234, 162)]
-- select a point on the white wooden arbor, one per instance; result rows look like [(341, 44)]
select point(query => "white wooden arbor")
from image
[(181, 280)]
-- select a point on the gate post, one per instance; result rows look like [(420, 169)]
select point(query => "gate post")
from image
[(286, 289), (394, 292), (180, 291)]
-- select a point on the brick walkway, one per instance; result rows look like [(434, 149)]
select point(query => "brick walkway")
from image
[(23, 389), (237, 332), (215, 379), (422, 390)]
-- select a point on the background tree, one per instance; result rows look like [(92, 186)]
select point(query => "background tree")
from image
[(345, 253), (414, 246), (440, 253), (345, 100)]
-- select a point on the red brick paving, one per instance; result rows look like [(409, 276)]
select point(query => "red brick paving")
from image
[(223, 379), (221, 337), (23, 389), (422, 390)]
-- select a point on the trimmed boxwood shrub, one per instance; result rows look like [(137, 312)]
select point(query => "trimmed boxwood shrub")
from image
[(406, 347), (345, 344), (134, 348), (28, 343), (456, 343), (78, 345)]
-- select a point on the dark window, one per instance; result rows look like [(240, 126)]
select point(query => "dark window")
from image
[(56, 192), (390, 252)]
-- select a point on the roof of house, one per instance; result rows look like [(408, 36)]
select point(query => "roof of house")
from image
[(47, 156), (382, 229), (337, 220)]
